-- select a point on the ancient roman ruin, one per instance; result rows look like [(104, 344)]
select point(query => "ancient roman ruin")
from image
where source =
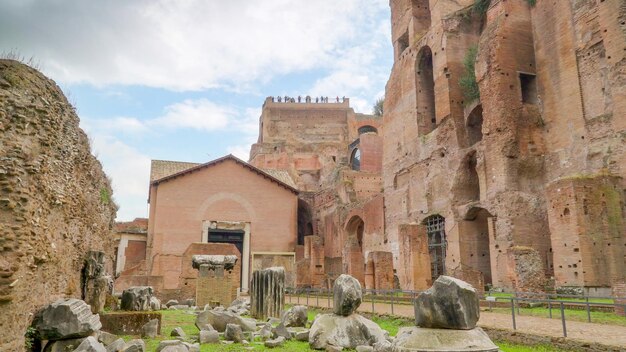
[(499, 159), (498, 162)]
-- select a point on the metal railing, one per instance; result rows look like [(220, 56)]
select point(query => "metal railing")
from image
[(552, 301)]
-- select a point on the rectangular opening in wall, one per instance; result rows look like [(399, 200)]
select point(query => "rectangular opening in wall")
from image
[(528, 83), (403, 43)]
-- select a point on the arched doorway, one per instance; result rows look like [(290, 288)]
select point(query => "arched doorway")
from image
[(474, 242), (436, 230), (305, 221), (354, 261), (355, 159)]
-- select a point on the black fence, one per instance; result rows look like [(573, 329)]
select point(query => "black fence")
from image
[(554, 302)]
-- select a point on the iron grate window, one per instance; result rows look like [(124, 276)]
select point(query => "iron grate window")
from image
[(436, 230)]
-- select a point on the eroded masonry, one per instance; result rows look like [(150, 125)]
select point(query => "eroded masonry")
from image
[(499, 160)]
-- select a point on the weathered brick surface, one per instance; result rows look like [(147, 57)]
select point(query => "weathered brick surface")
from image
[(550, 96), (55, 200)]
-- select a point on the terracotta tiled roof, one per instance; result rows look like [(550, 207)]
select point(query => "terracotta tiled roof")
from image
[(281, 175), (164, 168), (190, 169)]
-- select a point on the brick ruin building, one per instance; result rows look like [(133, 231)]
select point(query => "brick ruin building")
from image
[(524, 177), (499, 158)]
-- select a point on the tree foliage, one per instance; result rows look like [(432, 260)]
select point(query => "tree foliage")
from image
[(378, 107), (468, 79)]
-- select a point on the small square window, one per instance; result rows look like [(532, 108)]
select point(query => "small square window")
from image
[(528, 84)]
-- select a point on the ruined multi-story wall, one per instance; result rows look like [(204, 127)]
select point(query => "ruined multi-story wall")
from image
[(334, 157), (307, 139), (547, 133), (55, 200)]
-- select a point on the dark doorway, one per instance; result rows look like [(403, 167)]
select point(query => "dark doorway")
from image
[(230, 236), (436, 229), (305, 221)]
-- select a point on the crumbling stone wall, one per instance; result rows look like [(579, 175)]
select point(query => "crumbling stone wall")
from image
[(55, 200)]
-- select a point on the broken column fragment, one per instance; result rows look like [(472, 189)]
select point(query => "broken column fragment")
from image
[(94, 281), (66, 319), (446, 316), (345, 328), (449, 304), (216, 283), (267, 294)]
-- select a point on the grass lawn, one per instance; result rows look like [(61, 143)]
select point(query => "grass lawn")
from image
[(570, 314), (565, 299), (179, 318)]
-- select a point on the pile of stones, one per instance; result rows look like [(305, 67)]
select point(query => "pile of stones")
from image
[(446, 316), (344, 328), (227, 323), (69, 325)]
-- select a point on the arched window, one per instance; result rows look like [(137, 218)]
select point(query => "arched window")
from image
[(436, 230), (355, 159), (425, 92), (475, 125), (367, 129)]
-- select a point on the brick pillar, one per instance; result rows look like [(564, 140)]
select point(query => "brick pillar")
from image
[(383, 269), (217, 282), (314, 249), (414, 258), (369, 273)]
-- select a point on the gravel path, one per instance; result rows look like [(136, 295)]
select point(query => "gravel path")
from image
[(612, 335)]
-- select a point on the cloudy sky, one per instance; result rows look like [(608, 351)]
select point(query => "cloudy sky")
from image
[(185, 79)]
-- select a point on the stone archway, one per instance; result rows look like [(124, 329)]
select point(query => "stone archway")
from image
[(354, 261)]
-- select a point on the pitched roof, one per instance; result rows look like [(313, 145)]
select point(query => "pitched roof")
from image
[(281, 175), (279, 179), (163, 168)]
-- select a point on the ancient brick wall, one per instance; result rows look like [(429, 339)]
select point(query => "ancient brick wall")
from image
[(587, 230), (182, 209), (55, 200), (580, 72), (306, 139)]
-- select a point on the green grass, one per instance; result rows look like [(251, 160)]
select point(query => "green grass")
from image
[(509, 347), (566, 299), (179, 318), (570, 315), (468, 83)]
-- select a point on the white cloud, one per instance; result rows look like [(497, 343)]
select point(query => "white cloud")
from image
[(241, 151), (128, 169), (199, 114), (360, 70), (182, 45)]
